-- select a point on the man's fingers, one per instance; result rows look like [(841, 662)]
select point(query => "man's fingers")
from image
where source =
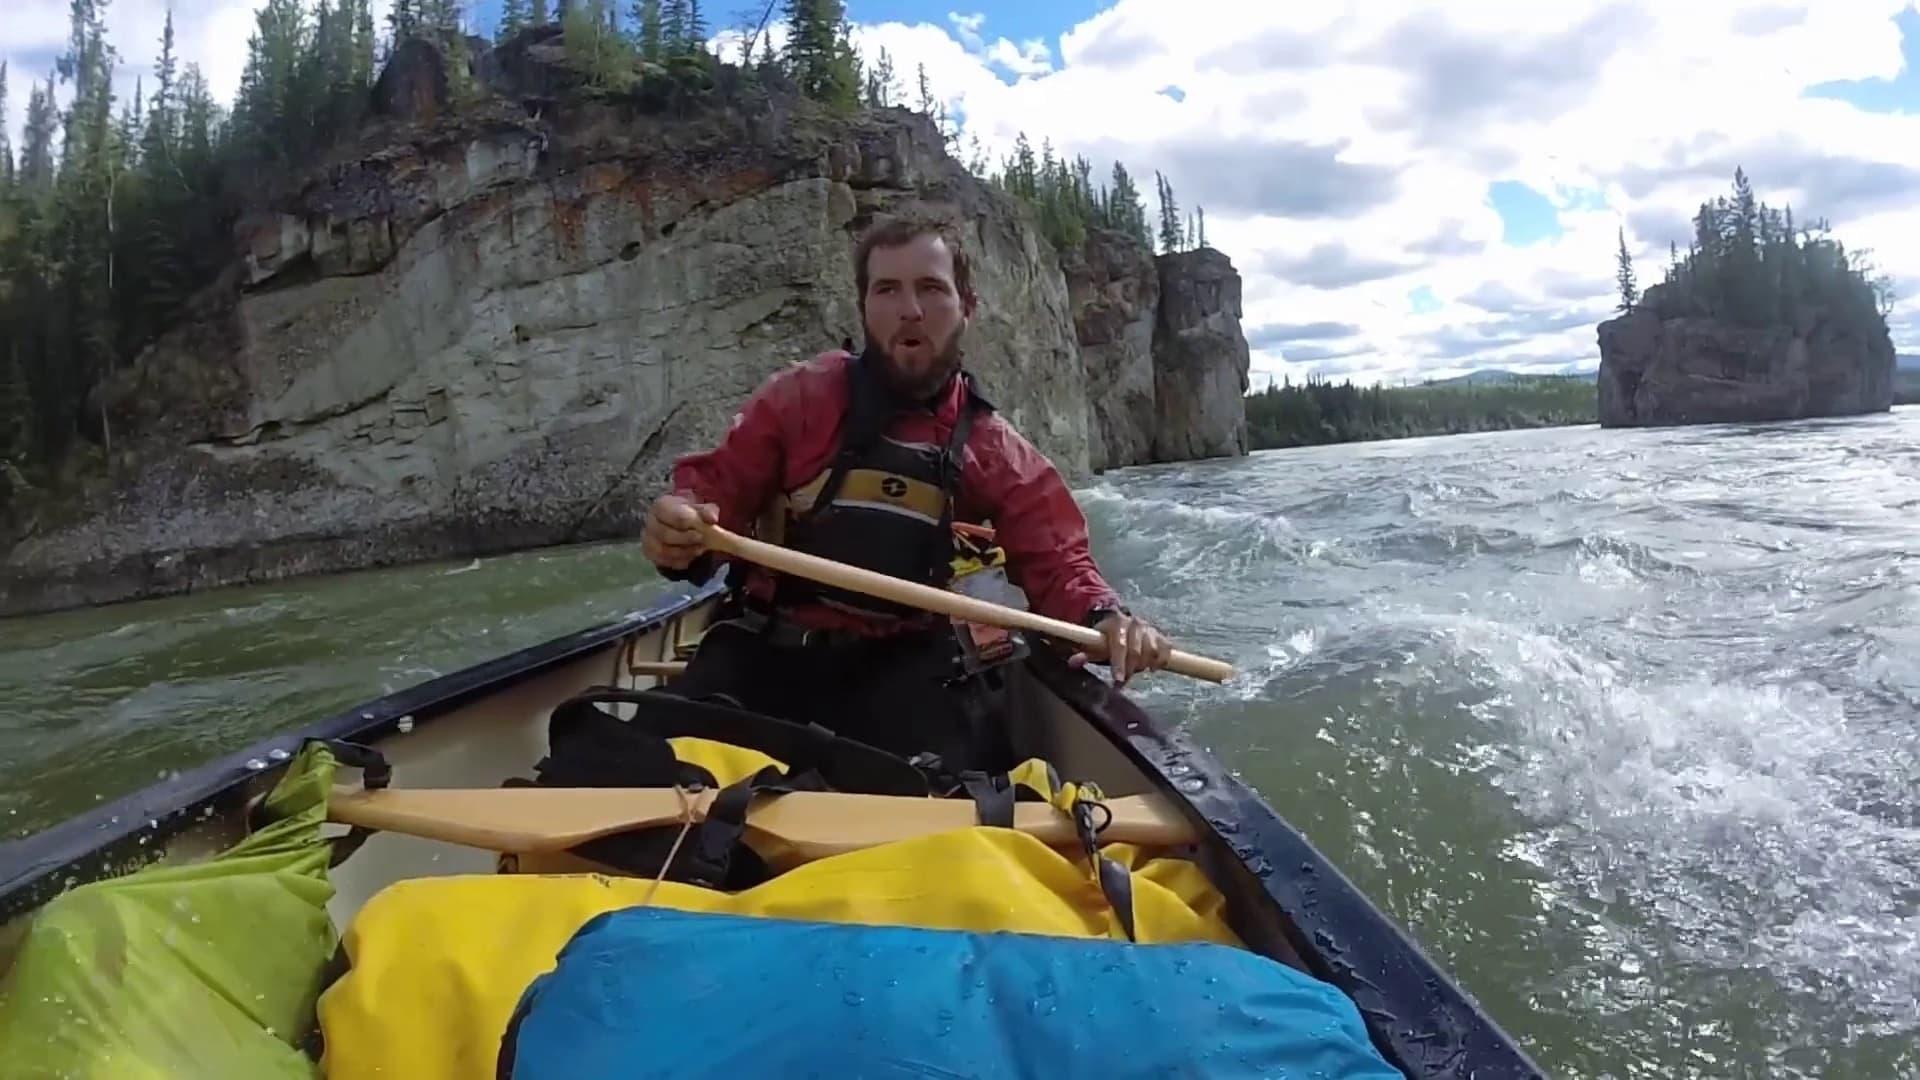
[(673, 537), (709, 513), (1117, 658), (1162, 649)]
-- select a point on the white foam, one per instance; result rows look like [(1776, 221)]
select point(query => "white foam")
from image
[(1729, 813)]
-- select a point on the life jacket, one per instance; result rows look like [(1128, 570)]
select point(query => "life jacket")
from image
[(881, 504)]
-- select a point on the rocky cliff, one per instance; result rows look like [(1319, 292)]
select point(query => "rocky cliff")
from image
[(1165, 356), (1200, 359), (1657, 368), (496, 329)]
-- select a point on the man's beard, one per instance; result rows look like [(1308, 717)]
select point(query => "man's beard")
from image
[(919, 388)]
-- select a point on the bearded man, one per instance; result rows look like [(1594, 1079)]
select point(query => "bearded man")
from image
[(871, 459)]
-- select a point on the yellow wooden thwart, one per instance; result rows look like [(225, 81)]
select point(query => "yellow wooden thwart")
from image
[(816, 824)]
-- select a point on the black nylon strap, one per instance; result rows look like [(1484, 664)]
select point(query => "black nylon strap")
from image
[(718, 837), (375, 772), (1117, 884), (992, 798), (846, 764), (866, 416), (952, 465)]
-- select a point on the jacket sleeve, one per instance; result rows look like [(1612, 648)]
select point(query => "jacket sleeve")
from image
[(742, 474), (1040, 526)]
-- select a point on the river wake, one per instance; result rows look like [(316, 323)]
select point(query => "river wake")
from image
[(1668, 681)]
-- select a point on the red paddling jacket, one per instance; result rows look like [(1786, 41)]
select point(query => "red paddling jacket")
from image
[(823, 459)]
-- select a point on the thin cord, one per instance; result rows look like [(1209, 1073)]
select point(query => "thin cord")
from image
[(686, 826)]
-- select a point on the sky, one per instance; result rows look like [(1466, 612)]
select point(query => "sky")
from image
[(1408, 189)]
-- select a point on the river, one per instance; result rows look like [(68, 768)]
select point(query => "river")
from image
[(1621, 724)]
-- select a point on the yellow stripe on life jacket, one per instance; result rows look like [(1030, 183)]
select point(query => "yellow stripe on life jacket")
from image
[(875, 489)]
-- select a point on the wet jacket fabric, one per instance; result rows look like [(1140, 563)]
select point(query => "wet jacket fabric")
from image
[(790, 430)]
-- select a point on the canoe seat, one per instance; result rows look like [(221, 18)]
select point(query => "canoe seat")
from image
[(814, 824)]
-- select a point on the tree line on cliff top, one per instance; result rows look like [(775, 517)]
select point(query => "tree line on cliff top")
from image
[(114, 212), (1747, 264)]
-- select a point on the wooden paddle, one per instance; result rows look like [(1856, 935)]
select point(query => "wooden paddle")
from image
[(862, 580), (524, 820)]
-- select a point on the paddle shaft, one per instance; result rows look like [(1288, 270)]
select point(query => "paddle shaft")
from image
[(960, 605)]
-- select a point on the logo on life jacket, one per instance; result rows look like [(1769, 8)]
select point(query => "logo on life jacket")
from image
[(893, 487)]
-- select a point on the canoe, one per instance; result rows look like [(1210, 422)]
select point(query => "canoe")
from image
[(475, 728)]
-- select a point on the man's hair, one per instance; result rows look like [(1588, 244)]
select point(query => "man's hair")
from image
[(897, 229)]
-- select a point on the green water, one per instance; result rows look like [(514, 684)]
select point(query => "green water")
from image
[(95, 703), (1621, 725)]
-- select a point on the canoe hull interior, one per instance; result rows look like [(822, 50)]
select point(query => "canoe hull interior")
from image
[(481, 726)]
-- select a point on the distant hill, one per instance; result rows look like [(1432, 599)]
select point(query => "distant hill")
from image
[(1500, 377), (1906, 379)]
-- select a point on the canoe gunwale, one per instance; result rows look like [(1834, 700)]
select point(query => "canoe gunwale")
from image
[(1418, 1017), (106, 840), (1390, 980)]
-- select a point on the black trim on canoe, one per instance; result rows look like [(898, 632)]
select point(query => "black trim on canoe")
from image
[(1417, 1016), (116, 838)]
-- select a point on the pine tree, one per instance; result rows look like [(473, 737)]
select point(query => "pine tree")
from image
[(1125, 211), (513, 18), (363, 47), (1629, 291), (158, 139), (819, 55), (270, 112), (645, 16), (36, 148), (926, 92), (196, 117), (1169, 217), (6, 145), (537, 13), (695, 31), (977, 157), (403, 21), (1023, 171), (882, 90), (673, 27), (1203, 226)]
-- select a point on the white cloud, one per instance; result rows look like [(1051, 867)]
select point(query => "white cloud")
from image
[(1343, 150), (968, 27), (1031, 57)]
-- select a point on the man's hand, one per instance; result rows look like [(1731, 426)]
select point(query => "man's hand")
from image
[(673, 537), (1132, 646)]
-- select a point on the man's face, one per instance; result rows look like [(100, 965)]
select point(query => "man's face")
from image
[(915, 313)]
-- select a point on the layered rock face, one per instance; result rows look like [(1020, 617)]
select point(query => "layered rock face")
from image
[(1695, 370), (489, 330), (1115, 291), (1165, 356), (1200, 359)]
